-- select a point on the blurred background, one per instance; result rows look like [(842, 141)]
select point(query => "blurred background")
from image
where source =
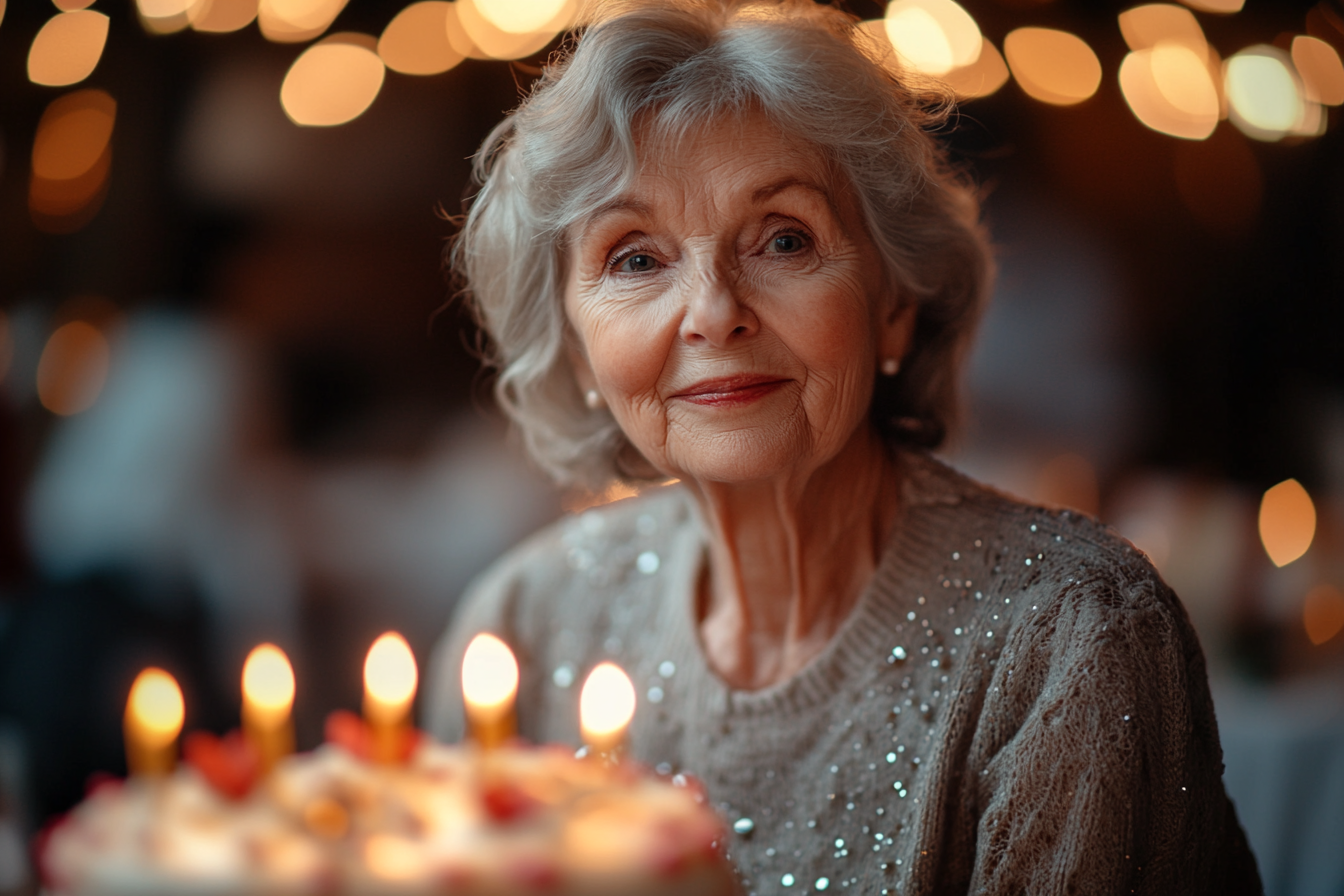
[(237, 405)]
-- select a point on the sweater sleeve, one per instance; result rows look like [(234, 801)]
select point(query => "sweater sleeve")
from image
[(1097, 758)]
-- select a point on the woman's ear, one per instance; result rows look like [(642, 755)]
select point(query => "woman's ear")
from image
[(583, 371), (898, 331)]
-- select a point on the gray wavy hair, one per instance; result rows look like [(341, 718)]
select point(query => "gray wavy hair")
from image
[(571, 146)]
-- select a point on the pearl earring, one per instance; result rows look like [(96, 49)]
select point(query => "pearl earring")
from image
[(891, 366), (593, 399)]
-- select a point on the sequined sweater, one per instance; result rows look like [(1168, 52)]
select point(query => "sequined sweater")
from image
[(1016, 704)]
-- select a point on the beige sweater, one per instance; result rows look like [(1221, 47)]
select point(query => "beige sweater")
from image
[(1017, 704)]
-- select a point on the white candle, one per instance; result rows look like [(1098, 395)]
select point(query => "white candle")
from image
[(489, 689), (268, 698), (153, 720), (390, 679), (606, 706)]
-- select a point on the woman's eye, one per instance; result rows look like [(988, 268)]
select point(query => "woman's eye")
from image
[(787, 243), (637, 263)]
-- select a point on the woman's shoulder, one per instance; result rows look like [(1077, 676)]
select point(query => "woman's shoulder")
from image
[(1023, 541), (592, 550)]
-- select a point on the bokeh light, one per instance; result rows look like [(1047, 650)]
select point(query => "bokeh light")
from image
[(296, 21), (390, 674), (67, 48), (496, 43), (156, 703), (1321, 70), (73, 368), (222, 16), (1052, 66), (1264, 101), (1222, 7), (63, 5), (71, 160), (416, 41), (268, 680), (520, 16), (333, 81), (1144, 27), (1169, 89), (1287, 522), (165, 16), (933, 36), (982, 77), (1323, 613)]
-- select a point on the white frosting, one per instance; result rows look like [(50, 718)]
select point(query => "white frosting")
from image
[(329, 823)]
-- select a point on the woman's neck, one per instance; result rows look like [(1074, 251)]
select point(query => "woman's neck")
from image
[(788, 560)]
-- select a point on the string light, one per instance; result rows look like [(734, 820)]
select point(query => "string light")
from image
[(67, 48)]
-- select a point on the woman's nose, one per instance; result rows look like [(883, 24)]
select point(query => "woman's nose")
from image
[(715, 312)]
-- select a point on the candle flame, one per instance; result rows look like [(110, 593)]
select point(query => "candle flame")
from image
[(390, 675), (489, 674), (156, 707), (268, 679), (607, 703)]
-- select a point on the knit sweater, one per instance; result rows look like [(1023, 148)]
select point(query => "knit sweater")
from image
[(1016, 704)]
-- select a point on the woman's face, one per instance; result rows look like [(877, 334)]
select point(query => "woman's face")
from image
[(731, 309)]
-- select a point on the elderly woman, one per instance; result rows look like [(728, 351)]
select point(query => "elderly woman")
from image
[(718, 245)]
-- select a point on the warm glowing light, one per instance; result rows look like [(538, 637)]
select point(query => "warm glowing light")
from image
[(1144, 27), (268, 698), (73, 132), (489, 674), (1169, 89), (1263, 97), (295, 21), (495, 43), (1052, 66), (489, 687), (520, 16), (1321, 70), (268, 680), (333, 81), (416, 41), (1323, 613), (932, 36), (390, 675), (156, 706), (71, 160), (606, 706), (1225, 7), (982, 77), (154, 715), (73, 368), (222, 16), (67, 49), (164, 11), (1287, 522), (62, 5)]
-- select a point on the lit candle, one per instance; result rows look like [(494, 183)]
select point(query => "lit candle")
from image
[(268, 698), (606, 706), (153, 720), (390, 678), (489, 686)]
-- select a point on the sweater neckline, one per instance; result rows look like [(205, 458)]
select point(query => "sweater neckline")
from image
[(863, 641)]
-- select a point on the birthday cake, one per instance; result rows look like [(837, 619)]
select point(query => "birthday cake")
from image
[(450, 820)]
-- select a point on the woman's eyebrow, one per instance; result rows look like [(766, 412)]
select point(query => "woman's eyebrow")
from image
[(612, 206), (774, 188)]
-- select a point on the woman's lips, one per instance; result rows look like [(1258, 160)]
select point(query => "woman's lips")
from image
[(730, 390)]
